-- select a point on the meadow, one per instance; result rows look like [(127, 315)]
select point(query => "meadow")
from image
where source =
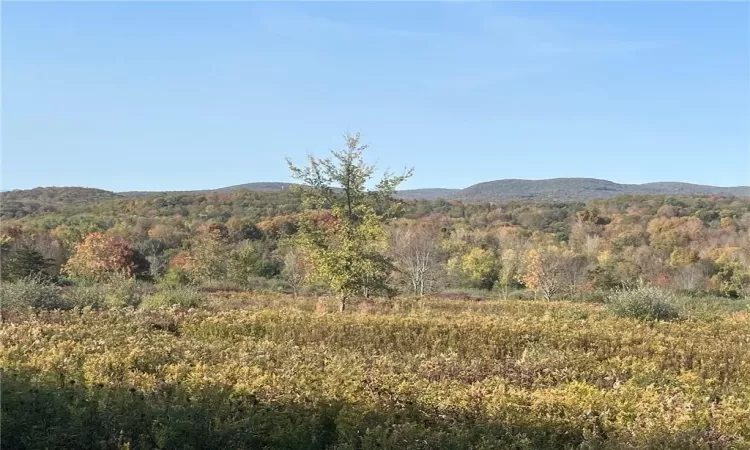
[(271, 371)]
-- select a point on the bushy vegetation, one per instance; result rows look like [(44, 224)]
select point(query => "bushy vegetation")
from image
[(32, 293), (183, 297), (290, 373), (644, 303), (118, 291), (138, 323)]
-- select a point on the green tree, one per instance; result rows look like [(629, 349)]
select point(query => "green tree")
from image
[(6, 244), (242, 229), (478, 265), (24, 262), (346, 247), (732, 279), (247, 262), (208, 256)]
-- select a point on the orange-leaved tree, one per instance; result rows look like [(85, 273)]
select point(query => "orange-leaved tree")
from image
[(99, 256)]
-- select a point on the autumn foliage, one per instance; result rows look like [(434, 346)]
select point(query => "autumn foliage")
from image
[(99, 257), (284, 374)]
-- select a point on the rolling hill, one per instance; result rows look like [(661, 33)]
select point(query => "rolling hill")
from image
[(581, 189), (49, 199), (554, 189), (427, 194), (56, 195)]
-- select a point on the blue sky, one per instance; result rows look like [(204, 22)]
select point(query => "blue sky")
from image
[(170, 96)]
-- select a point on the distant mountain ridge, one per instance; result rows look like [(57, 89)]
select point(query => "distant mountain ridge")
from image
[(68, 195), (566, 189), (256, 186), (427, 194), (554, 189)]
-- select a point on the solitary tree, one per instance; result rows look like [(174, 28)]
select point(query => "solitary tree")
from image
[(346, 251)]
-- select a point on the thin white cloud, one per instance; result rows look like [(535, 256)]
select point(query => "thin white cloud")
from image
[(558, 36), (490, 48), (510, 32)]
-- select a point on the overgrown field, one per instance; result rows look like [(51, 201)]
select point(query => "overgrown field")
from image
[(272, 372)]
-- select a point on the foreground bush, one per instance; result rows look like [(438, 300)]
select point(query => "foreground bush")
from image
[(438, 374), (120, 291), (184, 297), (644, 303), (31, 292)]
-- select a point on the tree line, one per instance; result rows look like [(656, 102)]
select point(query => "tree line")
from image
[(342, 233)]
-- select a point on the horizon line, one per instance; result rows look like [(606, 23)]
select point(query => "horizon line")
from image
[(409, 189)]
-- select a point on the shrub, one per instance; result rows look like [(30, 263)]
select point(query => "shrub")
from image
[(252, 284), (588, 296), (120, 291), (520, 294), (184, 297), (91, 295), (270, 285), (644, 303), (175, 277), (31, 292), (221, 286)]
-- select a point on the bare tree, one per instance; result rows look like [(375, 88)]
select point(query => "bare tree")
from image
[(295, 270), (416, 252), (549, 270), (689, 278), (575, 271), (591, 245)]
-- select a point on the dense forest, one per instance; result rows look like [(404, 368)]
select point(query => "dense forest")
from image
[(692, 244)]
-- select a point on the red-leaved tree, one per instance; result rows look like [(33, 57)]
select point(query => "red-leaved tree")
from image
[(99, 257)]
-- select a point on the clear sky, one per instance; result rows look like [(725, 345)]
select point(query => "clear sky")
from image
[(171, 96)]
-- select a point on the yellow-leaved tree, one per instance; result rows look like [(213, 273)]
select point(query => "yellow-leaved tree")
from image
[(549, 270)]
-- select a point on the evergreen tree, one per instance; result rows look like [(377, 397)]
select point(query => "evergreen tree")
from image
[(24, 262)]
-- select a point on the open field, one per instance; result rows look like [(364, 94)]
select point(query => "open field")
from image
[(273, 372)]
